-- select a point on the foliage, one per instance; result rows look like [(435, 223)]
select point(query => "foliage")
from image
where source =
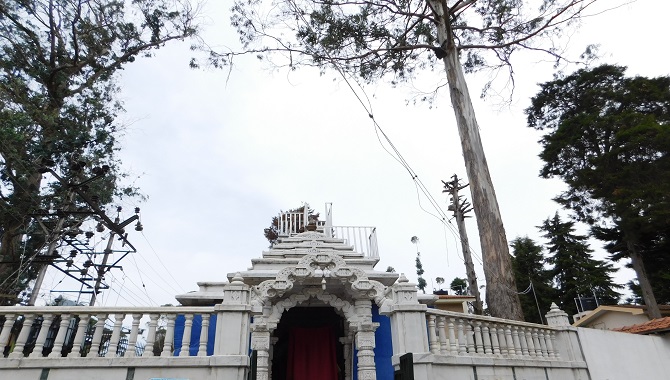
[(439, 281), (420, 281), (528, 263), (654, 249), (459, 286), (575, 273), (390, 269), (59, 63), (272, 232), (608, 138), (398, 38)]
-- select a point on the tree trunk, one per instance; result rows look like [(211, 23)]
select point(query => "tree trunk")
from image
[(501, 296), (647, 293)]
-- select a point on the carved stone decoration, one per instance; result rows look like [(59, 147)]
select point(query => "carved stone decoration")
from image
[(296, 299), (361, 285)]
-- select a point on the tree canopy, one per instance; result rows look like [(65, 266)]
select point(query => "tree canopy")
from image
[(58, 67), (533, 279), (575, 272), (607, 136)]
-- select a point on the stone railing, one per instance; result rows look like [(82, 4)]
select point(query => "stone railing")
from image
[(459, 334), (75, 332)]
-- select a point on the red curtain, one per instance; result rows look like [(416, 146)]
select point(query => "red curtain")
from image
[(311, 354)]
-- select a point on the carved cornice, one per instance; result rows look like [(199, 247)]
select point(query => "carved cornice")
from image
[(331, 266)]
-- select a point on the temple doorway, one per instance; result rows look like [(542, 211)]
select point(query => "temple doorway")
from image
[(307, 345)]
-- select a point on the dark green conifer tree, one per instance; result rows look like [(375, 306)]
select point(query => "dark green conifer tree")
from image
[(575, 272), (533, 279)]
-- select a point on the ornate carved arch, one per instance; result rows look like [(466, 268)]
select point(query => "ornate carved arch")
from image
[(360, 286), (296, 299)]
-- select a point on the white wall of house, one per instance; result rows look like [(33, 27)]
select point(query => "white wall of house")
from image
[(614, 355), (615, 320)]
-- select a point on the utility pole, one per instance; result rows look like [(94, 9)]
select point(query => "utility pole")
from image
[(460, 209), (102, 268)]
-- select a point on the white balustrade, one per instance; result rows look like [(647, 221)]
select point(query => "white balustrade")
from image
[(452, 333), (75, 332)]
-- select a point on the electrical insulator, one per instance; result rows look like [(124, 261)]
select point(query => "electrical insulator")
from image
[(73, 253), (137, 210), (100, 227), (89, 234), (139, 227)]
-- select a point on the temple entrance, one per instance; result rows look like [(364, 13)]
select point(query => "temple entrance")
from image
[(307, 345)]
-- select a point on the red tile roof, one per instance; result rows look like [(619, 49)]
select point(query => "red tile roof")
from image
[(653, 326)]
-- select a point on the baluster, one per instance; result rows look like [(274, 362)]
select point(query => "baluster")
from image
[(509, 342), (515, 341), (23, 336), (57, 350), (204, 334), (116, 335), (132, 339), (442, 332), (478, 337), (536, 343), (169, 335), (487, 338), (453, 345), (553, 345), (97, 336), (188, 323), (543, 343), (470, 337), (501, 339), (495, 345), (151, 335), (79, 335), (531, 343), (462, 345), (432, 335), (6, 329), (524, 342), (47, 319)]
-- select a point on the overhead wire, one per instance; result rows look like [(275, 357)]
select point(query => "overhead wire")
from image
[(161, 262)]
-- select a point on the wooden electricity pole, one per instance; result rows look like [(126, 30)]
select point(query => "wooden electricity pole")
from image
[(460, 209)]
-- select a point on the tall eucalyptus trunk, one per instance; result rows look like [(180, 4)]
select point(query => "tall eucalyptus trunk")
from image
[(501, 296)]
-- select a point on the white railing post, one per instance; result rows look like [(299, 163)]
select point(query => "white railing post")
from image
[(23, 336), (151, 335), (204, 334), (232, 319), (442, 329), (186, 338), (79, 335), (6, 330), (169, 335), (56, 351), (432, 336), (132, 339), (116, 335), (47, 319)]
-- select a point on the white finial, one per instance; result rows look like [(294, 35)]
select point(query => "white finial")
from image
[(238, 278), (402, 278)]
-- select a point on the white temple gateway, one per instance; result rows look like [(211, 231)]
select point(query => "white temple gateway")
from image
[(311, 308)]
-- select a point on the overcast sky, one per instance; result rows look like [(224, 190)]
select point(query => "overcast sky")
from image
[(219, 153)]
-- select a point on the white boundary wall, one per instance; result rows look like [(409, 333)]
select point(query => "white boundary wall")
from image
[(615, 355)]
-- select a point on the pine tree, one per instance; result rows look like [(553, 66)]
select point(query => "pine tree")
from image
[(575, 272), (528, 263)]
